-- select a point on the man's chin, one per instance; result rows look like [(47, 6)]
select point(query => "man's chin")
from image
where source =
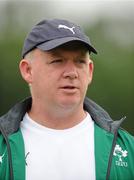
[(69, 103)]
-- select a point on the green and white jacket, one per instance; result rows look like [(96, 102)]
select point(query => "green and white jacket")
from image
[(114, 148)]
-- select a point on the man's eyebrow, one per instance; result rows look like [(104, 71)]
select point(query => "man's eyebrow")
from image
[(56, 53)]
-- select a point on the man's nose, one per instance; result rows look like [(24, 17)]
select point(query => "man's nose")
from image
[(70, 70)]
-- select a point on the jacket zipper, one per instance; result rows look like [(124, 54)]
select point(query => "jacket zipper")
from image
[(9, 152), (111, 156), (112, 150)]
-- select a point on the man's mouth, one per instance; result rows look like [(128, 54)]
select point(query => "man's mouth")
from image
[(69, 87)]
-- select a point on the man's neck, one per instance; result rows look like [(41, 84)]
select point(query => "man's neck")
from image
[(57, 120)]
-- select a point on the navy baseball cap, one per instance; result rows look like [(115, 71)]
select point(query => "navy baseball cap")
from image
[(51, 33)]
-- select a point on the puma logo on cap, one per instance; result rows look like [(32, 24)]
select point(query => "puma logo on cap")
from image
[(66, 27)]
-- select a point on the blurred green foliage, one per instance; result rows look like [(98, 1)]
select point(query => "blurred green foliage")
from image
[(112, 86)]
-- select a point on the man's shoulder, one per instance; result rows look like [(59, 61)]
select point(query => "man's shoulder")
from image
[(10, 121), (126, 134), (127, 137)]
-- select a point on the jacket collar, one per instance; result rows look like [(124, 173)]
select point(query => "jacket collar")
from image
[(101, 117), (11, 121)]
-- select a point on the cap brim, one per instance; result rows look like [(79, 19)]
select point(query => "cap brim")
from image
[(49, 45)]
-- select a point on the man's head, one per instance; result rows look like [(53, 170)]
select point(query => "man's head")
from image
[(59, 75)]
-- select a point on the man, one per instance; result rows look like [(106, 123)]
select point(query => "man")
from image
[(58, 133)]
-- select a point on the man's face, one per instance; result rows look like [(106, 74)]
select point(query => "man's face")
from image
[(60, 78)]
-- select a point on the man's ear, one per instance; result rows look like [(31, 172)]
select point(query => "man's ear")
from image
[(26, 70), (91, 70)]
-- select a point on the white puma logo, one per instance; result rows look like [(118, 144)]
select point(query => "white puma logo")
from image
[(66, 27)]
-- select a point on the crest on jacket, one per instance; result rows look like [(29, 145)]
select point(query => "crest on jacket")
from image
[(121, 155)]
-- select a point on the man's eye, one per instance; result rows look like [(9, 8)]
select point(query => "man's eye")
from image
[(56, 61), (81, 61)]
